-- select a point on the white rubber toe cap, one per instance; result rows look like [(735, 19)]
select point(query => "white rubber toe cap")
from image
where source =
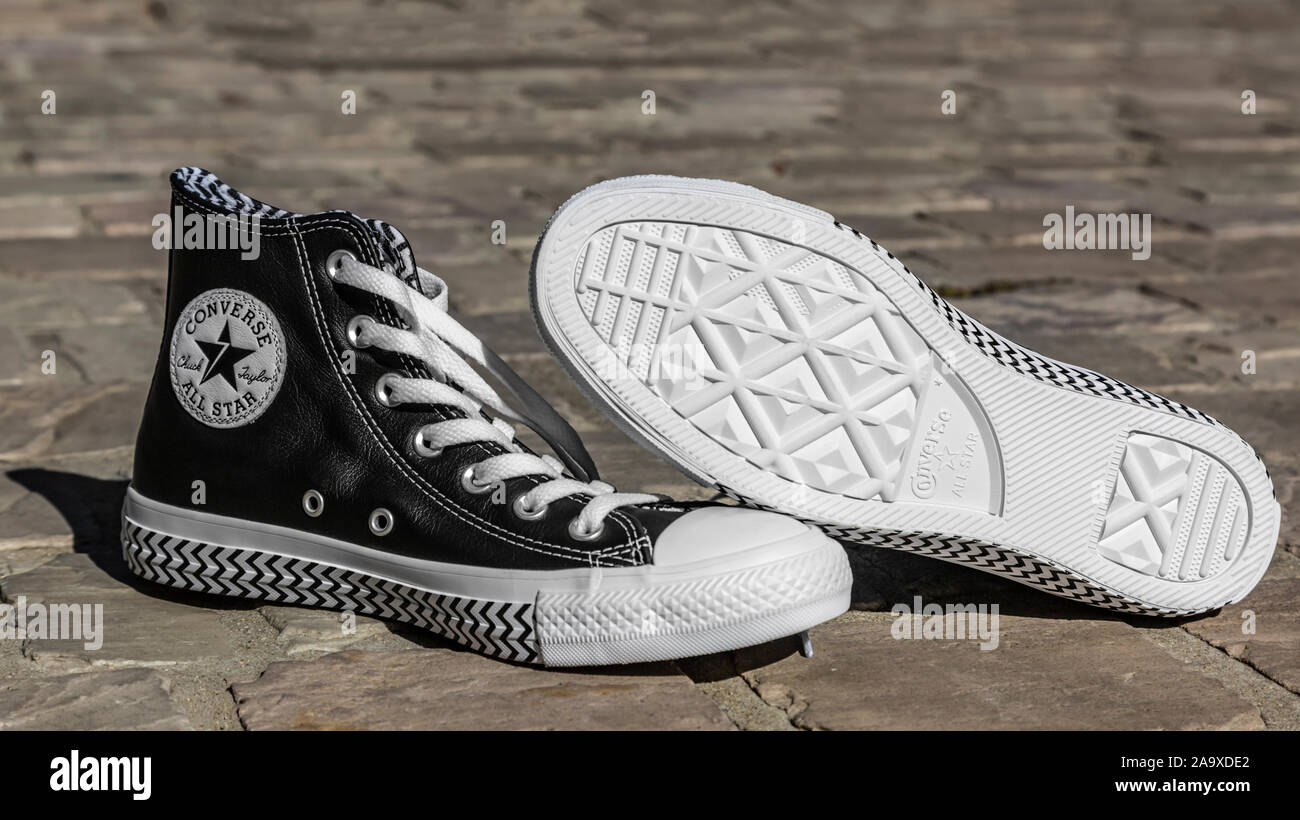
[(716, 532)]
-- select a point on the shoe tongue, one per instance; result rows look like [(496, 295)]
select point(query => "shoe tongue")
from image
[(396, 252)]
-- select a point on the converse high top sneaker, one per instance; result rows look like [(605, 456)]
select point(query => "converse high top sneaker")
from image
[(316, 435), (834, 385)]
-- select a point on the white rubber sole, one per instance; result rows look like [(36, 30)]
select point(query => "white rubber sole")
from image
[(790, 361), (574, 617)]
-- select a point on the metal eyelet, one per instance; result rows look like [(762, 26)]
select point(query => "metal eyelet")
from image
[(334, 262), (522, 511), (313, 503), (422, 447), (579, 534), (383, 391), (471, 485), (354, 330), (381, 521)]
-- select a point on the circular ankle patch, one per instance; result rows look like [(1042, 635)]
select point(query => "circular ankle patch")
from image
[(227, 358)]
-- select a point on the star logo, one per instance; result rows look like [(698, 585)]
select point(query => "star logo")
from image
[(948, 458), (222, 356), (215, 377)]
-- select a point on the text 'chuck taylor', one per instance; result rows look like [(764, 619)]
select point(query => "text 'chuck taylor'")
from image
[(351, 457)]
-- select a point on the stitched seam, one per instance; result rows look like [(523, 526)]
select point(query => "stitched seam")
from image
[(638, 544), (485, 526)]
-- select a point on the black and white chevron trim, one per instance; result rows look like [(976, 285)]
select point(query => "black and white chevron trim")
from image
[(1030, 363), (1009, 563), (207, 187), (1015, 565), (495, 628)]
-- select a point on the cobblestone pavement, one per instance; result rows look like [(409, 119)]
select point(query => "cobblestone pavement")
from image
[(470, 113)]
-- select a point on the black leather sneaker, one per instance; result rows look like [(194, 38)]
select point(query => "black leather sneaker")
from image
[(316, 435)]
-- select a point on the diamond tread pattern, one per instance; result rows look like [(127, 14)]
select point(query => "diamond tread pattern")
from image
[(779, 354)]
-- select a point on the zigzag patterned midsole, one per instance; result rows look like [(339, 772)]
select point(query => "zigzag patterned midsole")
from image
[(496, 628), (579, 616)]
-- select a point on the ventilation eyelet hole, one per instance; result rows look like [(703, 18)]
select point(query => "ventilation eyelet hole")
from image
[(578, 533), (313, 503), (471, 484), (334, 262), (381, 521), (355, 326), (384, 390), (423, 447), (522, 510)]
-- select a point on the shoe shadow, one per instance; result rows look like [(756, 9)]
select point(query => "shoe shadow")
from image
[(92, 508), (884, 578)]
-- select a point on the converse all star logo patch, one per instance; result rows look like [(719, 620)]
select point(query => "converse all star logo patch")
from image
[(227, 358)]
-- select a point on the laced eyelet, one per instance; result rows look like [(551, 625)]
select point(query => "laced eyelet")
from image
[(313, 503), (578, 533), (381, 521), (354, 330), (421, 444), (471, 485), (334, 262), (383, 390), (522, 511)]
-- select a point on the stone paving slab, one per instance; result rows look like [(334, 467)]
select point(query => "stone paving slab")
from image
[(1059, 674), (143, 624), (69, 501), (453, 689), (313, 632), (57, 416), (114, 699), (1260, 630)]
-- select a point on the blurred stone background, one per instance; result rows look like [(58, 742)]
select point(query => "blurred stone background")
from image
[(468, 113)]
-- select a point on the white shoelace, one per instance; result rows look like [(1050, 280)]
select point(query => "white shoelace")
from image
[(442, 345)]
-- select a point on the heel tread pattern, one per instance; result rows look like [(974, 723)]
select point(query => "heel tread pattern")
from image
[(1175, 513)]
